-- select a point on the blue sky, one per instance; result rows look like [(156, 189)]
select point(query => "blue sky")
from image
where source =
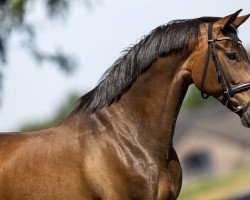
[(33, 92)]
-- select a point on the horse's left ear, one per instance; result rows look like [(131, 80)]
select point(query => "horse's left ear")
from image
[(228, 20), (240, 20)]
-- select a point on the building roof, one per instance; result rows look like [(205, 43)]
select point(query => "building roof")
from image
[(215, 119)]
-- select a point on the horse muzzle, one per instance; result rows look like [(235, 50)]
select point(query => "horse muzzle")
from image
[(245, 117), (243, 110)]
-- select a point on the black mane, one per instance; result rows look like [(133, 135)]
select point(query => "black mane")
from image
[(175, 36)]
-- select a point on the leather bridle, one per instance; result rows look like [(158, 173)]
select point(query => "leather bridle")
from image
[(228, 91)]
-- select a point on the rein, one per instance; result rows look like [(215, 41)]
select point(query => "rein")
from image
[(228, 91)]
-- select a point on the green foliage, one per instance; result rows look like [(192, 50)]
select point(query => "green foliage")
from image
[(60, 115), (13, 19), (221, 187), (57, 8), (193, 99), (17, 7)]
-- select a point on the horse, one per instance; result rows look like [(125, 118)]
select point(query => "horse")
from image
[(117, 143)]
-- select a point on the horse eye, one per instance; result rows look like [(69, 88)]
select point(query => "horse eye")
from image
[(231, 56)]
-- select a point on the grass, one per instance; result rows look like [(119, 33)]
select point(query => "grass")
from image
[(217, 188)]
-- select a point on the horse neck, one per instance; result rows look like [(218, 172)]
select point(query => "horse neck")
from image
[(153, 102)]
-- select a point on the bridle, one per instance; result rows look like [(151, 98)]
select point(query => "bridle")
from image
[(228, 91)]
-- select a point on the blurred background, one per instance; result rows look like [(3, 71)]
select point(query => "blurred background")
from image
[(53, 51)]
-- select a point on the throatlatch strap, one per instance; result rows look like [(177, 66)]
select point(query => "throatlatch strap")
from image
[(205, 66), (204, 95)]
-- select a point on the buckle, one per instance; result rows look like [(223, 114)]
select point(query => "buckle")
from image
[(210, 41)]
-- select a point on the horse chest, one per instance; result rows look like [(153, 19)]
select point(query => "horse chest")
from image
[(148, 179)]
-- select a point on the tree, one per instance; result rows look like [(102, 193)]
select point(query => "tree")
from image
[(13, 19)]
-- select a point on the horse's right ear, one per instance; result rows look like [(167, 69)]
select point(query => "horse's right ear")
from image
[(228, 20), (240, 20)]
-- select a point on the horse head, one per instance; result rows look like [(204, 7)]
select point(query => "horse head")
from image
[(222, 69)]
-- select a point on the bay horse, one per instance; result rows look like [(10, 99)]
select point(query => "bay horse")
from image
[(117, 143)]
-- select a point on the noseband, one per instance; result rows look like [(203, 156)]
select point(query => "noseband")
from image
[(228, 91)]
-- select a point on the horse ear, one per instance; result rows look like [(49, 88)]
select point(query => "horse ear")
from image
[(226, 21), (240, 20)]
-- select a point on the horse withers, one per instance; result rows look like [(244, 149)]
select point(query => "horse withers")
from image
[(117, 143)]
